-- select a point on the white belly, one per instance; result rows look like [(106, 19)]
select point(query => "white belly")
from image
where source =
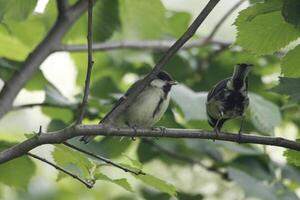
[(141, 112)]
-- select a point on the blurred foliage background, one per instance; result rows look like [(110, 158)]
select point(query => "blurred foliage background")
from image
[(186, 169)]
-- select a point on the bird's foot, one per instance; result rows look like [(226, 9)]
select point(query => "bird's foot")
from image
[(216, 131), (162, 129), (135, 132), (239, 136)]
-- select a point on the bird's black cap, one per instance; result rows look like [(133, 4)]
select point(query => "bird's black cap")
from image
[(244, 65), (164, 76)]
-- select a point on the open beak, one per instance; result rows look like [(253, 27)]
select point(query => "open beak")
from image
[(172, 82)]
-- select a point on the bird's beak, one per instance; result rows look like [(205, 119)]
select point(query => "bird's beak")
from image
[(172, 82), (250, 65)]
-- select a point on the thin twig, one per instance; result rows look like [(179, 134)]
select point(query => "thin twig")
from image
[(87, 184), (60, 136), (90, 63), (185, 158), (223, 19), (104, 159), (164, 60), (43, 104), (144, 45)]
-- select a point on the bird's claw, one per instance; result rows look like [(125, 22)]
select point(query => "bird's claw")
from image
[(216, 131), (135, 132)]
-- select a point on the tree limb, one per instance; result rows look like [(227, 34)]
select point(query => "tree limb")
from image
[(86, 183), (62, 6), (90, 63), (164, 60), (60, 136), (39, 54), (150, 44)]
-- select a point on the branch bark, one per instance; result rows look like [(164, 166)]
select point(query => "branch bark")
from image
[(150, 44), (90, 63), (164, 60), (101, 129), (39, 54)]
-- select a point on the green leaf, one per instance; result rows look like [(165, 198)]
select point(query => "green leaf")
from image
[(17, 172), (290, 63), (142, 19), (158, 184), (292, 156), (290, 12), (290, 87), (247, 15), (12, 48), (107, 20), (177, 23), (55, 125), (191, 103), (120, 182), (265, 115), (17, 9), (67, 157), (265, 33)]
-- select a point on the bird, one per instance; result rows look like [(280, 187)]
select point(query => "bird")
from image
[(146, 109), (228, 99)]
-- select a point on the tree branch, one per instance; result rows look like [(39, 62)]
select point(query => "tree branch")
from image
[(164, 60), (87, 184), (150, 44), (62, 6), (58, 137), (39, 54), (104, 159), (90, 63)]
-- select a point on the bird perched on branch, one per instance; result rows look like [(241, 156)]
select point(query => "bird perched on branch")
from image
[(229, 99), (147, 108)]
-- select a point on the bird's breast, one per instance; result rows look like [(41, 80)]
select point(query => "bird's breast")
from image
[(148, 108)]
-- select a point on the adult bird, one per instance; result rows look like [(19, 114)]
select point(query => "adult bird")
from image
[(146, 109), (229, 99)]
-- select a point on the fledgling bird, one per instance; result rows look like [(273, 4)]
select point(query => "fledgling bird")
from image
[(148, 107), (229, 99)]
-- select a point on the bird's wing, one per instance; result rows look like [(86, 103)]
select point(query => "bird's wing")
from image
[(120, 100), (217, 88)]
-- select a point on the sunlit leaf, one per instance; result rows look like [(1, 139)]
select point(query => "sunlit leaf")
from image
[(142, 19), (257, 31), (158, 184), (120, 182), (67, 157), (290, 63)]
